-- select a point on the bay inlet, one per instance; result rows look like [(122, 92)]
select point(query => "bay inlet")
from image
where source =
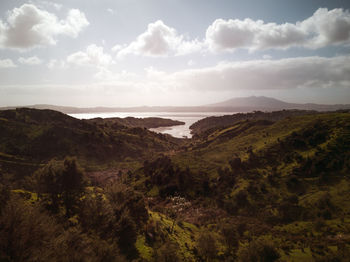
[(180, 131)]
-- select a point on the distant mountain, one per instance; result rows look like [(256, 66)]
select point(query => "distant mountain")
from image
[(270, 104), (240, 104), (257, 101)]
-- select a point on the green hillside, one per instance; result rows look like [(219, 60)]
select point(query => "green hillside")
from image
[(147, 122), (248, 187)]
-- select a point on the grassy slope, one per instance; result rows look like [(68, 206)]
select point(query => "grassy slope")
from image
[(216, 150)]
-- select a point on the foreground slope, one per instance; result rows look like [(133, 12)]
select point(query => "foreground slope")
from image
[(264, 187), (284, 182)]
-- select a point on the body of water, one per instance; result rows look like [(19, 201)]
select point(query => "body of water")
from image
[(177, 131)]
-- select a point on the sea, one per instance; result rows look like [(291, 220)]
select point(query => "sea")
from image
[(181, 131)]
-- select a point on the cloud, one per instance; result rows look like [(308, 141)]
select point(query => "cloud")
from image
[(291, 73), (328, 27), (226, 78), (117, 48), (33, 60), (56, 64), (267, 57), (7, 63), (191, 62), (255, 75), (111, 11), (47, 4), (28, 27), (160, 40), (323, 28), (92, 56)]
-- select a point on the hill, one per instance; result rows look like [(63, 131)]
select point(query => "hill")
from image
[(268, 182), (205, 125), (147, 122), (36, 136), (252, 103), (252, 187), (241, 104)]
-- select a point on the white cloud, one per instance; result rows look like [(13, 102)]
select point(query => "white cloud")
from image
[(56, 64), (117, 48), (256, 75), (107, 77), (191, 62), (46, 4), (323, 28), (288, 73), (7, 63), (283, 74), (267, 57), (28, 26), (160, 40), (92, 56), (328, 27), (231, 34), (57, 6), (111, 11), (33, 60)]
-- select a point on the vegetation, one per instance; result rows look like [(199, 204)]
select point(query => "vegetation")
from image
[(249, 187), (147, 122)]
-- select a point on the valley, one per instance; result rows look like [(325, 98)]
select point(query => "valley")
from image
[(261, 186)]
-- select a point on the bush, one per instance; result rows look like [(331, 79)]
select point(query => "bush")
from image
[(61, 183), (258, 251), (127, 235), (168, 253), (26, 233), (206, 246)]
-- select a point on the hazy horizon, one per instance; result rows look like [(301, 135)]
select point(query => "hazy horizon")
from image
[(200, 105), (165, 53)]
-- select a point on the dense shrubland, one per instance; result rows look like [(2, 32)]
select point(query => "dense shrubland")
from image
[(264, 188)]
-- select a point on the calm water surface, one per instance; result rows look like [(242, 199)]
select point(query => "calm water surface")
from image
[(177, 131)]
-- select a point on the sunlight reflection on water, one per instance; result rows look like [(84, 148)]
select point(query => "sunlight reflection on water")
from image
[(177, 131)]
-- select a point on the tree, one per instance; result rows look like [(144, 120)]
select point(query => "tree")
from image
[(258, 251), (96, 215), (62, 182), (73, 183), (229, 233), (127, 235), (26, 233), (168, 252), (206, 246)]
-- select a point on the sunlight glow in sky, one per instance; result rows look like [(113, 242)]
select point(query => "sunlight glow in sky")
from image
[(163, 52)]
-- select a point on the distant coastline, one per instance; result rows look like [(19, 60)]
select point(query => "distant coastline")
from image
[(242, 104)]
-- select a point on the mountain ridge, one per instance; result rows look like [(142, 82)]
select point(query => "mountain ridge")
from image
[(238, 104), (273, 103)]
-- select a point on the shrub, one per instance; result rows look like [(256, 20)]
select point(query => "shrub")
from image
[(258, 251), (62, 182), (168, 253), (206, 246)]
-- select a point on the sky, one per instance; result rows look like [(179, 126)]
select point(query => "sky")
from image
[(125, 53)]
